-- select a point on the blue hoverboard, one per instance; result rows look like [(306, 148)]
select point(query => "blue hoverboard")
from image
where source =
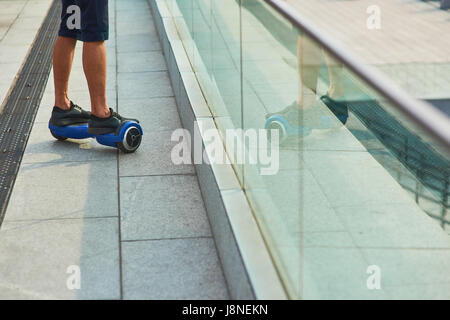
[(284, 128), (127, 137), (280, 122)]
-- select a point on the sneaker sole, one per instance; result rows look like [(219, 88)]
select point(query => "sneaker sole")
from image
[(68, 122), (100, 131)]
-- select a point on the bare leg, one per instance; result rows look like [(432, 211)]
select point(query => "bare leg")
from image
[(63, 53), (309, 70), (300, 70), (308, 55), (94, 65), (336, 88)]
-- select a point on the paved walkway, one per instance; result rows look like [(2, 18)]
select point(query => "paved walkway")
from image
[(19, 22), (411, 47), (133, 225)]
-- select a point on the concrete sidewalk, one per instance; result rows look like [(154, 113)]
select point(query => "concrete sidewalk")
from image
[(133, 225), (410, 47), (19, 23)]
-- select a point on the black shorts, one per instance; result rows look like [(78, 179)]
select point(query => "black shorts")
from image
[(85, 20)]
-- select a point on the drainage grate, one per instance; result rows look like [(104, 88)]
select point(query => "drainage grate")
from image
[(19, 111)]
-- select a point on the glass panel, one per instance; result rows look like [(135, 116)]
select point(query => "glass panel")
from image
[(210, 30), (202, 54), (271, 87), (226, 100), (357, 185), (352, 199), (183, 12)]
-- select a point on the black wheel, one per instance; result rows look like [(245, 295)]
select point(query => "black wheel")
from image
[(58, 137), (131, 141), (275, 125)]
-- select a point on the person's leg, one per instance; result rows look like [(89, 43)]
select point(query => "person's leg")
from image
[(310, 54), (95, 68), (336, 86), (300, 70), (63, 53), (309, 60), (94, 32), (65, 112), (334, 99)]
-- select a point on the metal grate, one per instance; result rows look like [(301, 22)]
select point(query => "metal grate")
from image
[(428, 166), (18, 114)]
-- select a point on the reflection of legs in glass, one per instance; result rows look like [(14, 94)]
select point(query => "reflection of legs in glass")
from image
[(292, 119), (334, 99), (302, 115), (309, 62)]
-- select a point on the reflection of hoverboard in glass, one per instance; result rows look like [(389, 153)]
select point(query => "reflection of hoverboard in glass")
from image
[(285, 129), (127, 137), (287, 122)]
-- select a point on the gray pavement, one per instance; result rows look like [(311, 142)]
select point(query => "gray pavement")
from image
[(411, 45), (19, 23), (133, 225)]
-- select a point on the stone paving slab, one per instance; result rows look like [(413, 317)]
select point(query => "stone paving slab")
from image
[(144, 85), (159, 114), (12, 7), (394, 262), (57, 190), (162, 207), (141, 61), (141, 25), (188, 266), (153, 158), (36, 256), (365, 225), (136, 43)]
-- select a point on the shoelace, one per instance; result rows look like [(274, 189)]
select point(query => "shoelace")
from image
[(118, 116), (79, 109)]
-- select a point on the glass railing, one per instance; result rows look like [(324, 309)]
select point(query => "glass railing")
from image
[(357, 205), (401, 39)]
